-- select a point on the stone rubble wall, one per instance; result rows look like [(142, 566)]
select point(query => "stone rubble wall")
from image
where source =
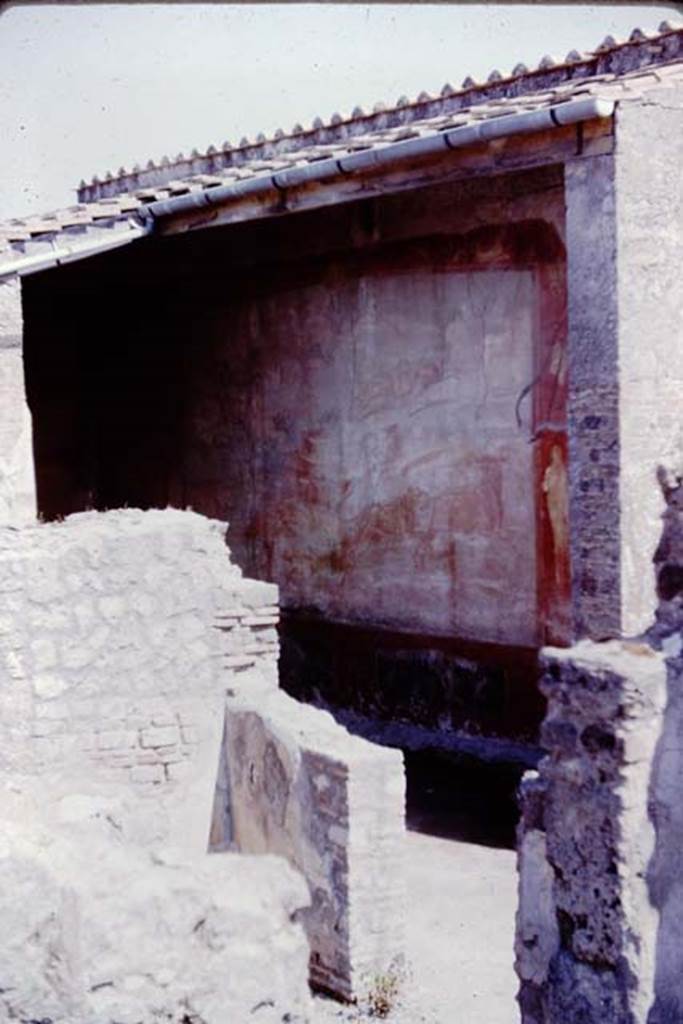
[(299, 785), (119, 633), (586, 925)]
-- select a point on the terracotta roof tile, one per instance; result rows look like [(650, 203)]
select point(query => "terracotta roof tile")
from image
[(615, 70)]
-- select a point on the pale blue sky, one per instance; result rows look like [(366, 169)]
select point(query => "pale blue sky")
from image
[(86, 89)]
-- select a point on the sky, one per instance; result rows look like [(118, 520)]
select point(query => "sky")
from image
[(89, 88)]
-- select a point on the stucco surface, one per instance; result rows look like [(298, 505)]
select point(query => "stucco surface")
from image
[(650, 294), (374, 447)]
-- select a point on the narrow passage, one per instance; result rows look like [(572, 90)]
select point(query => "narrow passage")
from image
[(462, 897)]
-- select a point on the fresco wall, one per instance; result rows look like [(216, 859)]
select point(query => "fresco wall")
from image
[(363, 434)]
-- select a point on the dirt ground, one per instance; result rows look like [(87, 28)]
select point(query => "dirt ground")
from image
[(461, 902)]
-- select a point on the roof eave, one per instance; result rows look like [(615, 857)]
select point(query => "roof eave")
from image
[(392, 155), (123, 233), (163, 214)]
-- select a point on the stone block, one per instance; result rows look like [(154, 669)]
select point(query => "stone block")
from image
[(332, 804), (117, 739), (47, 686), (148, 773), (161, 736)]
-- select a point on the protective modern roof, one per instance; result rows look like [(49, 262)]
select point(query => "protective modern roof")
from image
[(112, 211)]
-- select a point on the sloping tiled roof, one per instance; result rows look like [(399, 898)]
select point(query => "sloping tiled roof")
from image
[(614, 71)]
